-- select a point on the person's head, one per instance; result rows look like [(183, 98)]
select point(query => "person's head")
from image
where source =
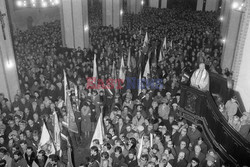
[(18, 155), (167, 151), (210, 160), (181, 155), (183, 144), (104, 155), (197, 149), (144, 159), (54, 159), (183, 131), (118, 151), (94, 150), (29, 150), (23, 144), (132, 154), (106, 147), (201, 66), (195, 162), (41, 154), (3, 152), (200, 140)]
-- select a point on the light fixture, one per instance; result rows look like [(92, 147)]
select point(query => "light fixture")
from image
[(44, 4), (221, 18), (223, 40), (56, 2), (121, 12), (9, 64), (235, 5), (86, 28), (19, 3), (142, 2)]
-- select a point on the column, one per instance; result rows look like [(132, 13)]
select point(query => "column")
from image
[(8, 72), (132, 6), (164, 3), (112, 13), (154, 3), (212, 5), (75, 27), (199, 5), (241, 75), (231, 36)]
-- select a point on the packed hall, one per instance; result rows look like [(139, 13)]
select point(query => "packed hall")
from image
[(124, 83)]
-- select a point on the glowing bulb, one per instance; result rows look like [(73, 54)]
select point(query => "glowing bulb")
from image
[(34, 5), (19, 3), (221, 18), (223, 40), (56, 1), (121, 12), (142, 2), (44, 4), (9, 64), (235, 5), (86, 28)]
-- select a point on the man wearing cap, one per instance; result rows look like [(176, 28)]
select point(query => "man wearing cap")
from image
[(200, 78)]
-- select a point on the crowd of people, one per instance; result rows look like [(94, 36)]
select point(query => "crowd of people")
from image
[(141, 128)]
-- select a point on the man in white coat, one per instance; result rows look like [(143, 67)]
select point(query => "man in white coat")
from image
[(200, 78)]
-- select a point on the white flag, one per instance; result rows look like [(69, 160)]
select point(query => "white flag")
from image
[(122, 70), (99, 131), (147, 69), (57, 131), (146, 40)]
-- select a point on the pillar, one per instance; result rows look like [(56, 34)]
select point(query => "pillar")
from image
[(199, 5), (8, 72), (154, 3), (212, 5), (225, 9), (75, 27), (112, 12), (164, 3), (241, 75), (231, 36)]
